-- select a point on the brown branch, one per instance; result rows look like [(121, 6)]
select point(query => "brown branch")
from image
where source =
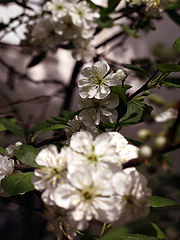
[(29, 100), (27, 78)]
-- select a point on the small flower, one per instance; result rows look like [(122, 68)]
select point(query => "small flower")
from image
[(83, 15), (125, 150), (95, 110), (9, 151), (89, 195), (53, 170), (94, 81), (132, 192), (96, 153), (58, 8), (83, 49)]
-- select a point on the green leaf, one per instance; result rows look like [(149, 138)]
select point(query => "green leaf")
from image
[(36, 59), (121, 93), (176, 45), (52, 127), (168, 67), (12, 127), (135, 236), (2, 150), (159, 232), (137, 69), (105, 22), (27, 155), (130, 32), (18, 183), (171, 82), (112, 4), (41, 126), (174, 16), (156, 201), (137, 111)]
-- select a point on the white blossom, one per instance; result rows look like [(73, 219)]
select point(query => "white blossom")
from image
[(83, 49), (89, 195), (96, 153), (125, 150), (6, 166), (132, 192), (41, 34), (96, 110), (6, 169), (83, 15), (53, 170), (164, 116), (94, 81)]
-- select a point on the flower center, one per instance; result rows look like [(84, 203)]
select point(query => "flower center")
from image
[(86, 195), (59, 7)]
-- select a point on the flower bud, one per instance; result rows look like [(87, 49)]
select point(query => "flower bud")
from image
[(144, 134), (160, 142), (145, 152), (121, 74)]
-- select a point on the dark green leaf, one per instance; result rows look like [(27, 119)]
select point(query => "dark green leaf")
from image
[(171, 82), (176, 45), (156, 201), (93, 5), (137, 69), (135, 236), (121, 93), (26, 154), (159, 232), (105, 22), (52, 127), (41, 126), (137, 111), (168, 67), (12, 127), (112, 4), (18, 183), (130, 32), (36, 59), (174, 16), (1, 150)]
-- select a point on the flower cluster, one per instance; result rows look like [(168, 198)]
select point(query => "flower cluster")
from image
[(65, 22), (97, 102), (86, 180), (152, 6)]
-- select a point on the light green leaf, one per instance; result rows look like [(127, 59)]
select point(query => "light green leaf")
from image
[(159, 232), (156, 201), (27, 155), (18, 183), (168, 67), (137, 69), (2, 150), (176, 45), (121, 93), (137, 111), (12, 127)]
